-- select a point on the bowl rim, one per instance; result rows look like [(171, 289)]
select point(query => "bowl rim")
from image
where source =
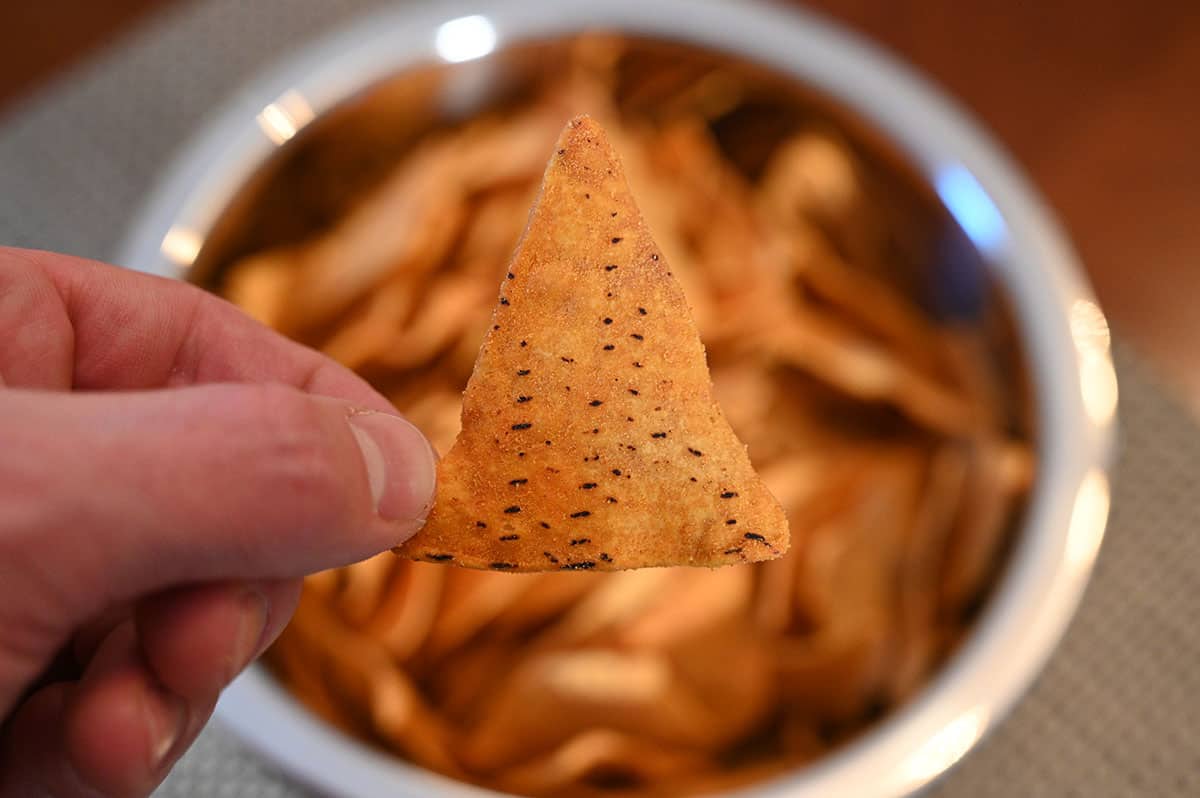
[(1061, 328)]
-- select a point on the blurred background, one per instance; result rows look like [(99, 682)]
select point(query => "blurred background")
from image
[(1096, 100)]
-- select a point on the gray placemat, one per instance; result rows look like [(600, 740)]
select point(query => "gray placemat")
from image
[(1116, 713)]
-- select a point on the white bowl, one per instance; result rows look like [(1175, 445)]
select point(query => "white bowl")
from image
[(1059, 325)]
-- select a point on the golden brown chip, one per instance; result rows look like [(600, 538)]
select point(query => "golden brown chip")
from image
[(260, 284), (366, 681), (556, 695), (403, 226), (920, 565), (363, 588), (404, 618), (864, 370), (590, 438), (471, 601), (1000, 471), (599, 757)]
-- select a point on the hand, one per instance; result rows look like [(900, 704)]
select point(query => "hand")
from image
[(168, 469)]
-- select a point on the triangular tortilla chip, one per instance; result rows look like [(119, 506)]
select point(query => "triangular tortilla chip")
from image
[(590, 439)]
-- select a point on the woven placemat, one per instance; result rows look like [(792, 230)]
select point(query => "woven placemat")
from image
[(1117, 711)]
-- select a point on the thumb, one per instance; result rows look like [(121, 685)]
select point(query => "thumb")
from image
[(128, 493)]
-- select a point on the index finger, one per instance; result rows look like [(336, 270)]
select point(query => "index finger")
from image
[(82, 324)]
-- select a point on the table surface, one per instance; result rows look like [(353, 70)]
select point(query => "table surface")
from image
[(1096, 100)]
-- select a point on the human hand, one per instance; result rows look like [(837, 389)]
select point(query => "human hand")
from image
[(168, 469)]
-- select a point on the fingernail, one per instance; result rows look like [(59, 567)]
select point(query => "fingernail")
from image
[(401, 465), (252, 621), (166, 718)]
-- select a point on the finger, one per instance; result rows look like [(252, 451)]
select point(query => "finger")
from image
[(37, 350), (92, 633), (76, 322), (33, 754), (197, 639), (204, 483), (122, 729), (197, 484)]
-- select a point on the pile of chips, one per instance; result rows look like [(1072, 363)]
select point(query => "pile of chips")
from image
[(888, 438)]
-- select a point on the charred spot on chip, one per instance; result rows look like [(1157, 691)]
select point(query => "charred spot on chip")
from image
[(495, 326), (729, 494), (566, 359), (503, 300), (610, 267), (580, 541), (481, 524), (544, 525), (523, 399), (607, 320), (637, 336), (523, 372), (637, 364), (617, 239), (588, 486), (595, 430), (605, 556), (511, 276), (581, 514), (658, 434), (609, 347), (518, 481), (634, 391), (616, 472), (550, 557), (754, 536), (731, 522), (507, 538), (439, 557), (595, 403), (547, 443), (512, 509), (695, 452), (520, 454), (502, 566), (736, 550), (524, 344), (693, 479), (587, 565), (642, 311), (654, 256), (611, 500), (522, 425)]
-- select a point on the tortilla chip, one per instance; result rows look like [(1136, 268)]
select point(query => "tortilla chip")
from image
[(590, 437), (555, 695), (599, 756)]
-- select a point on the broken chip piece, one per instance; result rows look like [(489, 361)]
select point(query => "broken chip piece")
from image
[(590, 438)]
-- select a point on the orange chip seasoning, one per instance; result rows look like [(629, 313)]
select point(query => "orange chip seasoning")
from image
[(590, 438)]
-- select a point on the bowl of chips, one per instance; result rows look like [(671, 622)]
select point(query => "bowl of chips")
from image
[(894, 326)]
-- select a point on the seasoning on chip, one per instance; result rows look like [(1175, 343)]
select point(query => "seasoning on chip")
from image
[(590, 438)]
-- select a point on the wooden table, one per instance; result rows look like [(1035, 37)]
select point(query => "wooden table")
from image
[(1099, 101)]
